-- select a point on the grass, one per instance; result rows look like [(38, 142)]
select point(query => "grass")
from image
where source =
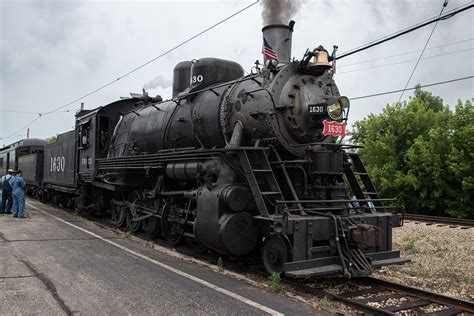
[(127, 234), (410, 246), (220, 264), (325, 303), (275, 281)]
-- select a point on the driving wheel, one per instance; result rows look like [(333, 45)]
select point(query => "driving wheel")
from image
[(118, 211), (132, 213), (170, 230), (152, 225)]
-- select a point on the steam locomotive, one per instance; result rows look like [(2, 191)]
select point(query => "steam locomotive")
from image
[(239, 163)]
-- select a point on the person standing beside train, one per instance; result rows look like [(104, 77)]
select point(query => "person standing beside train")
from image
[(19, 195), (7, 188)]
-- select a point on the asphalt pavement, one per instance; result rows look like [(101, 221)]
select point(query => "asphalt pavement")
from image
[(56, 263)]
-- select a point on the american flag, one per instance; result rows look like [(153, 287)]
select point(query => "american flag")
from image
[(268, 51)]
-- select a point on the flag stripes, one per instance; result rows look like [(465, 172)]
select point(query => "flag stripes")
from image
[(268, 51)]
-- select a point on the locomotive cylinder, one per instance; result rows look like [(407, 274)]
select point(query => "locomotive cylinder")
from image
[(222, 223), (236, 198)]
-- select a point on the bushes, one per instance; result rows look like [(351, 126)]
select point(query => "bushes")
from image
[(422, 153)]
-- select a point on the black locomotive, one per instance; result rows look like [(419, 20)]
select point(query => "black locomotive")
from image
[(238, 163)]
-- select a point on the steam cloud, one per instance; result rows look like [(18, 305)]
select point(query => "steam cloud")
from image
[(158, 81), (279, 11), (218, 167)]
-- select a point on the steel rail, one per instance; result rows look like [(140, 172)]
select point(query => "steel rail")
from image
[(380, 286), (339, 298), (440, 219), (420, 293)]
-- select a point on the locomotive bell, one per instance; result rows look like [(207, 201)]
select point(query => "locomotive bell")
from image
[(321, 60)]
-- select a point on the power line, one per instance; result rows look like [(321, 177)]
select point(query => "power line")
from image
[(21, 112), (157, 57), (135, 69), (23, 128), (339, 66), (339, 73), (355, 98), (27, 112), (351, 52), (402, 54), (405, 61), (445, 3), (412, 88), (389, 37)]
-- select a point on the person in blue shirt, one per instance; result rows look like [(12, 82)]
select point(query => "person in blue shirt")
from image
[(7, 186), (19, 195)]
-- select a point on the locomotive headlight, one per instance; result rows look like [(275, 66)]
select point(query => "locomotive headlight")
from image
[(335, 110)]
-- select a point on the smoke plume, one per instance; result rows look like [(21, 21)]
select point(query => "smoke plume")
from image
[(279, 11), (158, 81), (221, 169)]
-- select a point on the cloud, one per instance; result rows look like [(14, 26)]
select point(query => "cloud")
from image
[(158, 82)]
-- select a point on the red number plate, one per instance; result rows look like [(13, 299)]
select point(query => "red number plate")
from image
[(334, 128)]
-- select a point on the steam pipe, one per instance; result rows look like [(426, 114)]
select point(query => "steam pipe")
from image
[(236, 137)]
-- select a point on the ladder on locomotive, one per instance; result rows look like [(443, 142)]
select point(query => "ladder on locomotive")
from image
[(360, 171), (255, 163)]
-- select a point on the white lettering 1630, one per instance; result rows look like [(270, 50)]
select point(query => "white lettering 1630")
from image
[(335, 129), (57, 164), (318, 109)]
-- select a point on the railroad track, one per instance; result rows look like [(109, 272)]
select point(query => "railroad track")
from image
[(465, 223), (379, 297)]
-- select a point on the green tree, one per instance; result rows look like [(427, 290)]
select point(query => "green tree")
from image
[(52, 139), (422, 153)]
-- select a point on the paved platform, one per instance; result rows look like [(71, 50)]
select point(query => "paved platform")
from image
[(55, 263)]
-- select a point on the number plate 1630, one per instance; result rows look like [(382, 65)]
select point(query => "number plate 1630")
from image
[(334, 128), (316, 108)]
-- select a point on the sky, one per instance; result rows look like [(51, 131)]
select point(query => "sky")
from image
[(53, 52)]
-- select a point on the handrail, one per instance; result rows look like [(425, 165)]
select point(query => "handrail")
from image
[(333, 201)]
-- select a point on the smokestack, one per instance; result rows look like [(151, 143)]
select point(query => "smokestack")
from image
[(278, 36), (27, 133), (82, 106)]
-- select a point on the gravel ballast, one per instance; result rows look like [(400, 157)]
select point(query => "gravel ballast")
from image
[(442, 259)]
